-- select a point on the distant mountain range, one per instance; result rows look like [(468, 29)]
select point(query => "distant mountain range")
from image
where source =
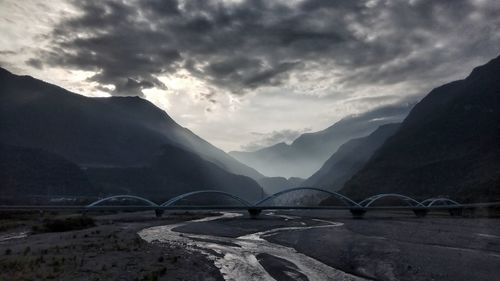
[(448, 145), (276, 184), (308, 152), (114, 132), (349, 159)]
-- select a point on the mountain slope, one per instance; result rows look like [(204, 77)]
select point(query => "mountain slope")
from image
[(173, 172), (448, 145), (276, 184), (31, 175), (115, 131), (349, 158), (309, 151)]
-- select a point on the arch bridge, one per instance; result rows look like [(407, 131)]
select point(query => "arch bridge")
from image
[(358, 209)]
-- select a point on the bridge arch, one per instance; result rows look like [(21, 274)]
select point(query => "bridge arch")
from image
[(431, 201), (174, 200), (94, 204), (370, 200), (347, 201)]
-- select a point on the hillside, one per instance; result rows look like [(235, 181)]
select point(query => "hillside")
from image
[(31, 175), (95, 132), (349, 159), (173, 172), (448, 145)]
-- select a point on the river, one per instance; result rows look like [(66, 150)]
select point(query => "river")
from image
[(247, 257)]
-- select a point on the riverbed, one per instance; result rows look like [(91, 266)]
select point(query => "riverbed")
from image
[(250, 256), (322, 246)]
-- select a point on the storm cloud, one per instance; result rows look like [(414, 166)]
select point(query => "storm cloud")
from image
[(240, 46), (227, 68)]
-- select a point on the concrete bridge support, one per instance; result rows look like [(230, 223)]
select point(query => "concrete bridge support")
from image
[(159, 213), (455, 212), (420, 212), (469, 212), (357, 213), (254, 212)]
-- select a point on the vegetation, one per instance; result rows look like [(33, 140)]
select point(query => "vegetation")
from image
[(67, 224)]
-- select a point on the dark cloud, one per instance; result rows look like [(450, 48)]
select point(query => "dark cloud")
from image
[(36, 63), (240, 46), (209, 96), (7, 52), (133, 87)]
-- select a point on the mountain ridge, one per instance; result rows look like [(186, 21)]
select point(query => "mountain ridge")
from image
[(128, 133), (118, 120), (350, 158), (448, 145), (306, 154)]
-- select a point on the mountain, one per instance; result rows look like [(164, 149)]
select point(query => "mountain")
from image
[(349, 159), (308, 152), (448, 145), (95, 132), (35, 175), (173, 172), (276, 184)]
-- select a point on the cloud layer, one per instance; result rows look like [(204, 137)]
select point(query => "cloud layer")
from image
[(240, 46), (228, 68)]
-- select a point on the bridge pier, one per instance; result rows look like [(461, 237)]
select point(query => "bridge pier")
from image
[(254, 212), (455, 212), (357, 213), (469, 212), (420, 212), (159, 213)]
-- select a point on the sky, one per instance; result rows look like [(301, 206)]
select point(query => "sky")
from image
[(244, 74)]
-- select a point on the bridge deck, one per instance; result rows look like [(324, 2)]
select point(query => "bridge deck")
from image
[(235, 208), (356, 208)]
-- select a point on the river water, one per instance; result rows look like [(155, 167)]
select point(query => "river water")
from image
[(237, 258)]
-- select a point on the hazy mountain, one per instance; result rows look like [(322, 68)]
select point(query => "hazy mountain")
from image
[(174, 171), (309, 151), (448, 145), (349, 159), (276, 184), (34, 175), (114, 131)]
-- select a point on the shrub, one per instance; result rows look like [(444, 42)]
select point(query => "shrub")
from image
[(71, 223)]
